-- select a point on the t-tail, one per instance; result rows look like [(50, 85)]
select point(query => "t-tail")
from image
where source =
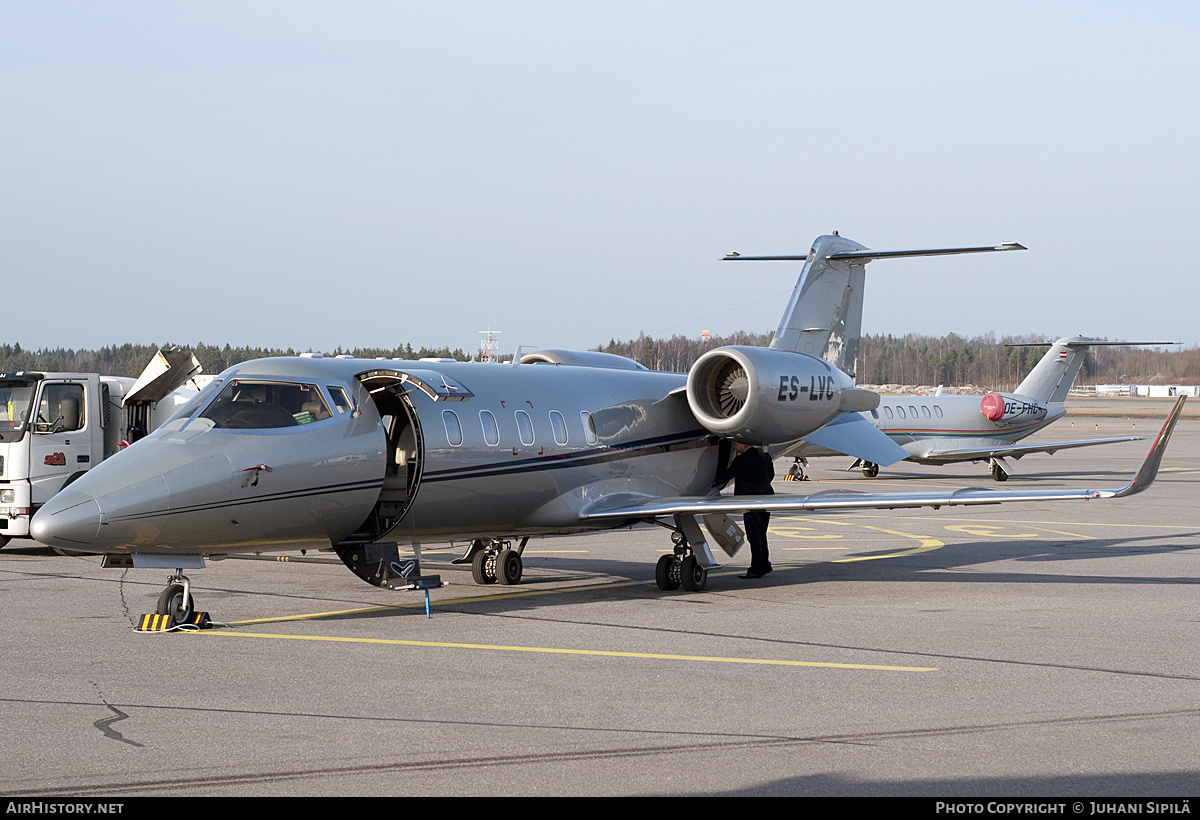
[(1052, 377), (824, 315)]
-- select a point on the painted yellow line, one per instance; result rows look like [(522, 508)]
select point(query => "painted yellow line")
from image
[(808, 520), (547, 650), (926, 545), (811, 549)]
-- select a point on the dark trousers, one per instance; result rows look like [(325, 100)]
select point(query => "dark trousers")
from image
[(756, 533)]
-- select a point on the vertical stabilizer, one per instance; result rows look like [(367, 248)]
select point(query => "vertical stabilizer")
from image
[(824, 316), (1053, 376)]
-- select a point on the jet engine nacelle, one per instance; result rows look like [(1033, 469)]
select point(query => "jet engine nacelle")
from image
[(1006, 408), (758, 395)]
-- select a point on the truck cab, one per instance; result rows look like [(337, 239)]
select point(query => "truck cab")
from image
[(53, 428)]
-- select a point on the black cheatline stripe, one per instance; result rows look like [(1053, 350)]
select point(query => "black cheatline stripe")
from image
[(563, 460), (329, 489)]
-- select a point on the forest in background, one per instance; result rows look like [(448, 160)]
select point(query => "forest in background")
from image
[(982, 361), (131, 359)]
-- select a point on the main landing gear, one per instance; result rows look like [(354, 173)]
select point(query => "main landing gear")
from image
[(680, 568), (796, 472), (494, 560), (869, 468), (998, 471)]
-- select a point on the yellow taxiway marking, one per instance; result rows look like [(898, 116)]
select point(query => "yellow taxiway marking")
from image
[(550, 650), (926, 545)]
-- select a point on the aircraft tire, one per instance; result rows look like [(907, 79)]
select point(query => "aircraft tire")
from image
[(666, 573), (870, 469), (509, 568), (998, 473), (693, 576), (171, 602), (483, 567)]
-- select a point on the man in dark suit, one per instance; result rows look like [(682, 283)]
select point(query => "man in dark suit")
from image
[(751, 472)]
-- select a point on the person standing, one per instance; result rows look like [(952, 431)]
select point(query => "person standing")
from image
[(751, 472)]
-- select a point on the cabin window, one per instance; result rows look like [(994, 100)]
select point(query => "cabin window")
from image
[(924, 411), (900, 411), (341, 399), (874, 414), (589, 427), (559, 425), (453, 428), (491, 430), (524, 427), (937, 411), (887, 411), (259, 405), (913, 410)]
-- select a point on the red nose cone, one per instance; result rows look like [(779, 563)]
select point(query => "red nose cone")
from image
[(992, 406)]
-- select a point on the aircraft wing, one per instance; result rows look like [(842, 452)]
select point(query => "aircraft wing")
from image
[(1018, 450), (629, 506)]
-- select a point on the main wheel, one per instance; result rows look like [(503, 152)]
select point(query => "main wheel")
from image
[(483, 567), (508, 568), (870, 469), (666, 573), (173, 602), (998, 473), (693, 576)]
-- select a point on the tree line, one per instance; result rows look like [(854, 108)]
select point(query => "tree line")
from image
[(131, 359), (983, 361)]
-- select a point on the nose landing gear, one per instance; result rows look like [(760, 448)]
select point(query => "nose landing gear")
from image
[(175, 608)]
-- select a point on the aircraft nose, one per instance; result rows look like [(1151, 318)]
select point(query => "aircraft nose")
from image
[(70, 519)]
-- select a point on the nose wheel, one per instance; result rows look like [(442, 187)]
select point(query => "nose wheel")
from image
[(176, 601)]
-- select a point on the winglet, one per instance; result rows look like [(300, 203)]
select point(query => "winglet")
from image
[(1149, 469)]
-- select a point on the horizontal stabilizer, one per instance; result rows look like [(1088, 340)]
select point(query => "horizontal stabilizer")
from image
[(866, 255), (853, 435)]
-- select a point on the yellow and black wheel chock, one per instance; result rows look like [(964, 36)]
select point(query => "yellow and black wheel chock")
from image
[(166, 623)]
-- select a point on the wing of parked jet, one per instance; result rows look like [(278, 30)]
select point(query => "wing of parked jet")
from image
[(626, 508), (1019, 450)]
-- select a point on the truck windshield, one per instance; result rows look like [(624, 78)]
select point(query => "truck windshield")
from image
[(16, 397)]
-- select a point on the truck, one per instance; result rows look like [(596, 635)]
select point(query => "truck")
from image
[(54, 427)]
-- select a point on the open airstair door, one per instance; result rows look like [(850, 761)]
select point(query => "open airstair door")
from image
[(390, 391)]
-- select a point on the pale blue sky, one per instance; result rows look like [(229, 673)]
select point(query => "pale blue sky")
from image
[(374, 173)]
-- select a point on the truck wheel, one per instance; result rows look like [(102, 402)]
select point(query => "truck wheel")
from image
[(3, 541)]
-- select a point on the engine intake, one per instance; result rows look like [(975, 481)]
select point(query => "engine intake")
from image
[(757, 395), (1005, 409)]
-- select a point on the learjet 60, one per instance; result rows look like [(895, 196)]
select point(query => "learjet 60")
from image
[(362, 455)]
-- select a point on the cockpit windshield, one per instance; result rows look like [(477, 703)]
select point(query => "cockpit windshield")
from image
[(16, 398), (259, 405)]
